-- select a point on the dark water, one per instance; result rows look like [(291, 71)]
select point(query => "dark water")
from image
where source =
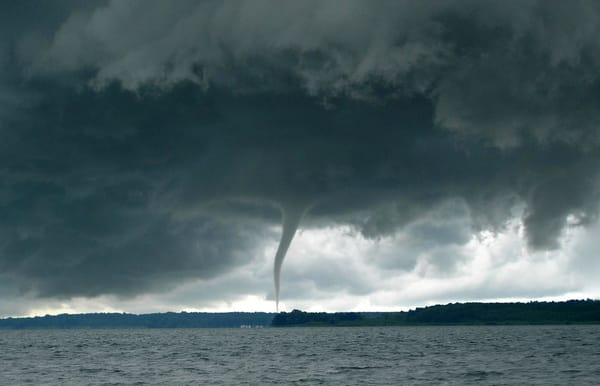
[(545, 355)]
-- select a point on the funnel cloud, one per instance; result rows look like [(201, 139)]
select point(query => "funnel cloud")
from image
[(447, 151), (291, 216)]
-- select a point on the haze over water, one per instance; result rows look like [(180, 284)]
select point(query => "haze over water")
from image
[(465, 355)]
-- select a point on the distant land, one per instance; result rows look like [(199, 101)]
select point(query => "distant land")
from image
[(568, 312), (158, 320)]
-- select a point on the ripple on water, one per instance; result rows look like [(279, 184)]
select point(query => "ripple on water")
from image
[(483, 355)]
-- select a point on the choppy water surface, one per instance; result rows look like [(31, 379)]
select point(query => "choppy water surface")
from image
[(568, 355)]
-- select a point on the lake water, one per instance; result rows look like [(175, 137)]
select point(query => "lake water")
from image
[(481, 355)]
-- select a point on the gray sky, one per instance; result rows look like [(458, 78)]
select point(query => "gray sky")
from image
[(441, 152)]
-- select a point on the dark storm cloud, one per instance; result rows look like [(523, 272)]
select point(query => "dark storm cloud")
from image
[(502, 71), (137, 154)]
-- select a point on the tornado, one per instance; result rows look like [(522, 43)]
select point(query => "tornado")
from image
[(291, 216)]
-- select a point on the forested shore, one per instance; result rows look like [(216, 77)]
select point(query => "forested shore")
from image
[(568, 312)]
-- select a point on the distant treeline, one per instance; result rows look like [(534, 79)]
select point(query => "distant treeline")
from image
[(569, 312), (159, 320)]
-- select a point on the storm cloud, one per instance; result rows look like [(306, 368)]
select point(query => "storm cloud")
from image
[(145, 143)]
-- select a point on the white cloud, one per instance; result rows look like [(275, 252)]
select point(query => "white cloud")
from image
[(335, 269)]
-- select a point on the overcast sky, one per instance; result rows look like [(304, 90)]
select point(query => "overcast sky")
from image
[(431, 152)]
